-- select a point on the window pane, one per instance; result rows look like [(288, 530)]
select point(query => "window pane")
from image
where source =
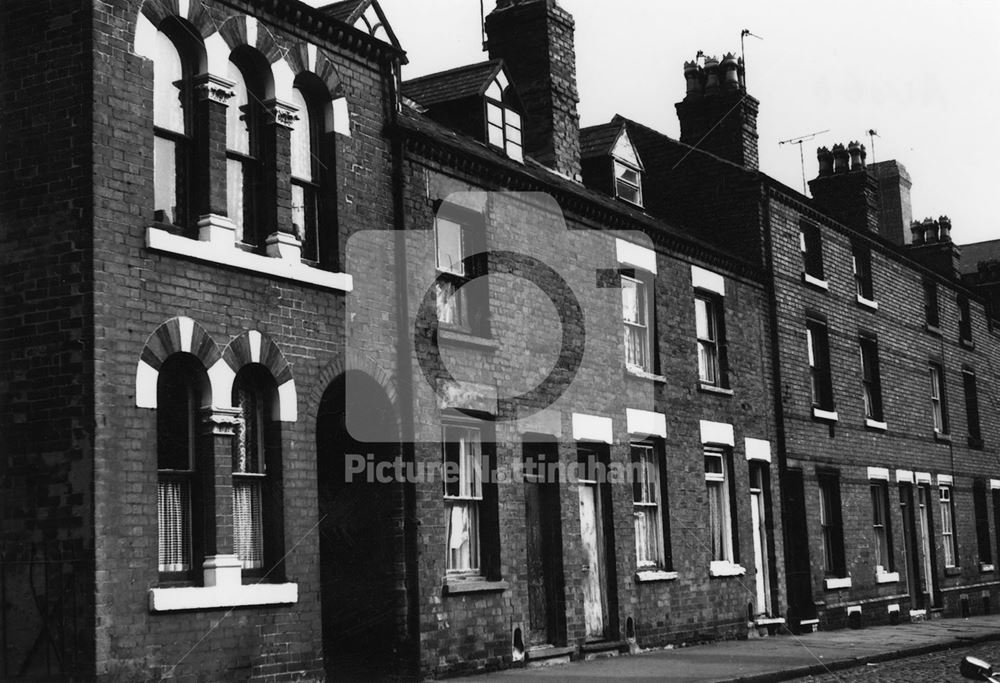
[(495, 135), (237, 131), (165, 178), (248, 537), (174, 518), (494, 115), (301, 150), (234, 196), (463, 541), (168, 108), (249, 451), (702, 317), (449, 246), (299, 211)]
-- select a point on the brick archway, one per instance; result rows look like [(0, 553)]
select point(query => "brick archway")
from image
[(177, 335)]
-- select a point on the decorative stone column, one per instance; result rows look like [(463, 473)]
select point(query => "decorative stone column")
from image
[(213, 93), (282, 242), (221, 566)]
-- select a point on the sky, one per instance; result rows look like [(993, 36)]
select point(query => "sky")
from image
[(921, 73)]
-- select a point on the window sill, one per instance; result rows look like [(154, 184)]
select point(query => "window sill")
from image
[(966, 343), (952, 571), (725, 568), (815, 282), (887, 577), (473, 585), (450, 335), (713, 389), (639, 373), (877, 425), (867, 303), (943, 438), (232, 257), (932, 329), (217, 597), (837, 583), (825, 415), (651, 575), (986, 568)]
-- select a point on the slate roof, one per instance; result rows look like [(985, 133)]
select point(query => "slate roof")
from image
[(973, 253), (446, 86), (597, 141)]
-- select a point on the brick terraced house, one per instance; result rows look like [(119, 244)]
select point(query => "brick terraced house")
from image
[(256, 287)]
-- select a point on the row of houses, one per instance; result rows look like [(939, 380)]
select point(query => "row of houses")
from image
[(308, 372)]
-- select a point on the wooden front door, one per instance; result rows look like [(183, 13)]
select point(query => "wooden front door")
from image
[(546, 602)]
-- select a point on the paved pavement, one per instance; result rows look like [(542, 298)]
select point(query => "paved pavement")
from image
[(777, 658)]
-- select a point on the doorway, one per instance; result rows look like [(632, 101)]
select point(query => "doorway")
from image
[(925, 545), (546, 594), (597, 540), (361, 544), (761, 536)]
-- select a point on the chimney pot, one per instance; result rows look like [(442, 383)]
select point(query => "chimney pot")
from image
[(917, 229), (692, 74), (730, 72), (855, 151), (840, 159), (712, 73), (944, 226), (825, 158), (930, 231)]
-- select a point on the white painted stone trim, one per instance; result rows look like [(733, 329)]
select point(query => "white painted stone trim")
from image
[(876, 424), (904, 476), (854, 609), (592, 428), (758, 449), (145, 385), (161, 240), (887, 577), (837, 583), (633, 255), (945, 480), (717, 433), (646, 423), (288, 408), (815, 282), (647, 575), (994, 484), (893, 608), (725, 568), (547, 421), (707, 280), (221, 377), (215, 597), (869, 303), (922, 477), (881, 473), (828, 415)]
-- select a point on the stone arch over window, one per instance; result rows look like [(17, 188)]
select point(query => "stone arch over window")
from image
[(189, 14), (177, 335), (353, 360), (307, 61), (255, 347)]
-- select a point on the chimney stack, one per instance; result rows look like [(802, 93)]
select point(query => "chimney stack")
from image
[(845, 189), (932, 246), (895, 214), (717, 114), (535, 40)]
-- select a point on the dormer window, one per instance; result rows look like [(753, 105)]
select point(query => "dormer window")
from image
[(503, 124), (628, 183), (628, 170)]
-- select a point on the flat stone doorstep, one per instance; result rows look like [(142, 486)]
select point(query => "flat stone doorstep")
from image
[(604, 646), (215, 597), (542, 652)]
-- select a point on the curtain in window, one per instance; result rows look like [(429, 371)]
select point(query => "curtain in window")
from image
[(174, 506), (170, 126), (715, 523), (248, 540)]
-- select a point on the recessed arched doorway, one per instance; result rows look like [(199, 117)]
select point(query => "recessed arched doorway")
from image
[(362, 576)]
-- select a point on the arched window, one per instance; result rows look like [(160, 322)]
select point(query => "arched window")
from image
[(172, 147), (503, 124), (181, 389), (256, 471), (306, 175), (244, 121)]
